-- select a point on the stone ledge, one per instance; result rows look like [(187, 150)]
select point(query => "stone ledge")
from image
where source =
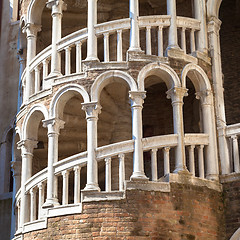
[(187, 178), (231, 177), (95, 196), (64, 210), (35, 225), (147, 186)]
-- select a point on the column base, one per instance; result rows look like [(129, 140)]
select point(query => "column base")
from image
[(92, 187), (213, 177), (50, 203), (182, 170), (138, 176), (53, 74)]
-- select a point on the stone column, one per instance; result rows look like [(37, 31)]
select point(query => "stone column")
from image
[(209, 128), (176, 94), (137, 105), (92, 110), (54, 125), (31, 31), (92, 38), (214, 45), (200, 14), (172, 34), (26, 147), (57, 6), (134, 32)]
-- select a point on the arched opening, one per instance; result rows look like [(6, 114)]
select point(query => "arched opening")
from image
[(72, 138), (157, 118), (192, 111), (185, 8), (114, 125), (36, 132)]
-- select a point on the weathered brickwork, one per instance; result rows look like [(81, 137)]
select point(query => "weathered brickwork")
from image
[(232, 206), (187, 212)]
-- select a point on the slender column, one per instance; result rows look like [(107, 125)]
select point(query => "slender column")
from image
[(200, 161), (77, 184), (154, 164), (45, 68), (54, 125), (57, 6), (37, 79), (137, 105), (206, 98), (92, 110), (65, 189), (166, 161), (40, 198), (191, 159), (172, 35), (183, 39), (92, 38), (67, 60), (160, 41), (106, 47), (45, 72), (134, 32), (200, 14), (31, 31), (78, 57), (215, 52), (26, 147), (108, 175), (177, 94), (235, 153), (119, 46), (33, 209), (192, 41), (121, 171), (148, 41)]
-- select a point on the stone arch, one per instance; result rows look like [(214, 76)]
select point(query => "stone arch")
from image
[(33, 119), (168, 75), (63, 95), (236, 235), (198, 77), (109, 77), (35, 10), (213, 8)]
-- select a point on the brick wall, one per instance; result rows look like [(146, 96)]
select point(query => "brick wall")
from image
[(232, 206), (187, 212)]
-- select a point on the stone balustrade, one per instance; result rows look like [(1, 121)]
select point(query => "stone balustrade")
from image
[(40, 65), (232, 134), (70, 190)]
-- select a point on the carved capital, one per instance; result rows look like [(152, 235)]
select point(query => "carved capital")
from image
[(205, 97), (57, 6), (27, 146), (176, 94), (214, 25), (137, 98), (31, 29), (92, 109), (54, 125)]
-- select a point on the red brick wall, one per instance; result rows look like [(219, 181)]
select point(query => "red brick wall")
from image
[(232, 206), (187, 212)]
